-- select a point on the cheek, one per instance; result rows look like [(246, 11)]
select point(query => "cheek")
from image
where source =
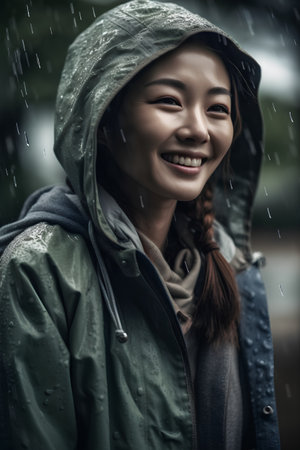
[(224, 138), (144, 132), (147, 127)]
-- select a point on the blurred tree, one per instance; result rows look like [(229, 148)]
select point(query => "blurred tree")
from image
[(35, 36)]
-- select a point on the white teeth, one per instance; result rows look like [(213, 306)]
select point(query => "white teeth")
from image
[(184, 161)]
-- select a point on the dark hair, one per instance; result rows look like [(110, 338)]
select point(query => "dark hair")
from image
[(218, 306)]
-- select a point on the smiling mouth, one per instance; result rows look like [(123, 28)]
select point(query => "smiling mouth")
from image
[(181, 160)]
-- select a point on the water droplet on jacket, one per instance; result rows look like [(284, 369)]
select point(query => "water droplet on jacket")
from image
[(269, 213), (267, 344), (260, 363), (93, 11), (262, 325), (249, 294), (11, 324), (49, 391), (140, 391), (249, 342)]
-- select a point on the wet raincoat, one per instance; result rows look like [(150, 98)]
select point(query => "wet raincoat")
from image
[(73, 280)]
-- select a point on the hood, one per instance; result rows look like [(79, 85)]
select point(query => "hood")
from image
[(56, 205), (98, 65)]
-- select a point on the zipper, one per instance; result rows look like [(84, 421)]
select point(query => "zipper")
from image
[(155, 283)]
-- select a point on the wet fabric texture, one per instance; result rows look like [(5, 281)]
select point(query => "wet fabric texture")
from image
[(75, 280)]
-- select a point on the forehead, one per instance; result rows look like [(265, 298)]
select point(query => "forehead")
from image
[(189, 61)]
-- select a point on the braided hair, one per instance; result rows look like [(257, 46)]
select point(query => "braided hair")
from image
[(218, 306)]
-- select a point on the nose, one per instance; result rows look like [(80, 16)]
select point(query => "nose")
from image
[(194, 128)]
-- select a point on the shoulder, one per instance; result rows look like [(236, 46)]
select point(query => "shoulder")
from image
[(46, 252), (46, 273), (40, 241)]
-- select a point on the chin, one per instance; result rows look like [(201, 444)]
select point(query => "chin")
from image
[(188, 196)]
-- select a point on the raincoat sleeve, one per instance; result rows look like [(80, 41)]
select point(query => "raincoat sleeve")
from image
[(43, 279)]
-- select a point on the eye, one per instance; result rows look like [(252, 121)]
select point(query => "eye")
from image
[(167, 101), (220, 109)]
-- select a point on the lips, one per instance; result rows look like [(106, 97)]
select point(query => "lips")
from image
[(182, 160)]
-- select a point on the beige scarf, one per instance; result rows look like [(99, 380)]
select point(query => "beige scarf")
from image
[(180, 281)]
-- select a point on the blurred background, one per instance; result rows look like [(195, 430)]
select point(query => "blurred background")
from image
[(35, 35)]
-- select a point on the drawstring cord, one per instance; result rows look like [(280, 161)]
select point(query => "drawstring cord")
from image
[(106, 289)]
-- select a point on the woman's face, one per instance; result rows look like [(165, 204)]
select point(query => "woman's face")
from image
[(175, 125)]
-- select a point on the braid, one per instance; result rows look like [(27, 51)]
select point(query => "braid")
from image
[(218, 307), (205, 217)]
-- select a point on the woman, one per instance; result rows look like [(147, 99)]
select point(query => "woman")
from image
[(122, 325)]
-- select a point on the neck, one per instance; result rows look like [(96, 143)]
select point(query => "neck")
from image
[(149, 213), (153, 218)]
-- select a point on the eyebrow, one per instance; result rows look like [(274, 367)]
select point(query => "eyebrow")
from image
[(180, 85), (168, 82)]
